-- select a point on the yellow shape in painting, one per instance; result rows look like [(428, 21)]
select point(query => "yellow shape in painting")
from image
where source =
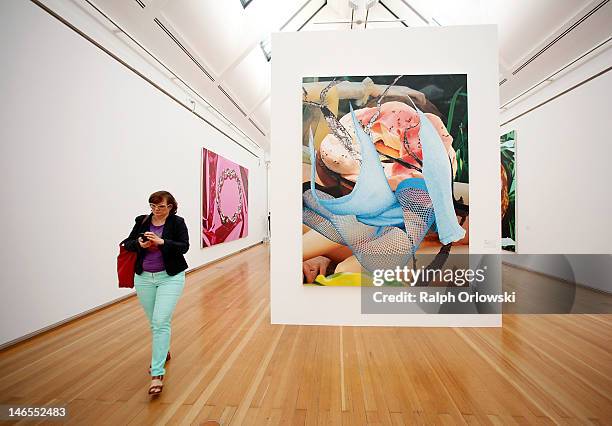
[(344, 279)]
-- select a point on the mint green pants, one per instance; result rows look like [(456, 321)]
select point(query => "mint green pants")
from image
[(158, 293)]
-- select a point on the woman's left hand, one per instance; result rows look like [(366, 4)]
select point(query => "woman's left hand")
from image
[(154, 238)]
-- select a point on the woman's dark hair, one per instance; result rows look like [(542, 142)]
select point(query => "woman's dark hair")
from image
[(164, 196)]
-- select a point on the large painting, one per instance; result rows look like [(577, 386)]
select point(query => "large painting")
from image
[(225, 201), (385, 173), (508, 191)]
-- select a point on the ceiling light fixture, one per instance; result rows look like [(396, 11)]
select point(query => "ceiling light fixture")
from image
[(361, 10)]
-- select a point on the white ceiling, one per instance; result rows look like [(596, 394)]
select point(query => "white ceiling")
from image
[(220, 54)]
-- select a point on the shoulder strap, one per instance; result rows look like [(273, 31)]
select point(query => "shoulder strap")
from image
[(144, 219)]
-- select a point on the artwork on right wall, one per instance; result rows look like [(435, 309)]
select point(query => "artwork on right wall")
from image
[(508, 191)]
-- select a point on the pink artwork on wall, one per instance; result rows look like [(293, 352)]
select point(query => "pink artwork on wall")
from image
[(225, 196)]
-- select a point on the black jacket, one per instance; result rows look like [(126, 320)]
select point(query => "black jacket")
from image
[(176, 243)]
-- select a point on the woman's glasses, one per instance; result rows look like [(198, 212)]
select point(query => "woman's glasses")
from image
[(157, 206)]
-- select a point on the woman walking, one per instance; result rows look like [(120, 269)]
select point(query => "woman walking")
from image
[(160, 240)]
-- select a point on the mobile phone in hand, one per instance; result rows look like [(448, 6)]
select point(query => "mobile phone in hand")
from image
[(143, 236)]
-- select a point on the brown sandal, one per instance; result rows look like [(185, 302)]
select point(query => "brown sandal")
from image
[(168, 357), (156, 385)]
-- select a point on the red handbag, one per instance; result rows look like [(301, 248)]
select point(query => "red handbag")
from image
[(126, 264)]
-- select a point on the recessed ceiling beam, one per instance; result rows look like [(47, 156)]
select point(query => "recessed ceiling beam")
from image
[(392, 13), (313, 15), (294, 15), (416, 12)]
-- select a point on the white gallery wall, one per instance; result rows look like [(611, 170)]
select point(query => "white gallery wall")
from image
[(375, 52), (84, 143), (563, 152), (563, 166)]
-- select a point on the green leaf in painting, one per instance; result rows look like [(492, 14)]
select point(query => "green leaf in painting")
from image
[(451, 110)]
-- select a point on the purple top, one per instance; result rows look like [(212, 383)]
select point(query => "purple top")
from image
[(153, 260)]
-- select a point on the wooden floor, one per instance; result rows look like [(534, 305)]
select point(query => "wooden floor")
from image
[(230, 364)]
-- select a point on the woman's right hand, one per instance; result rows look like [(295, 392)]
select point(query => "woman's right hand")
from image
[(144, 244)]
